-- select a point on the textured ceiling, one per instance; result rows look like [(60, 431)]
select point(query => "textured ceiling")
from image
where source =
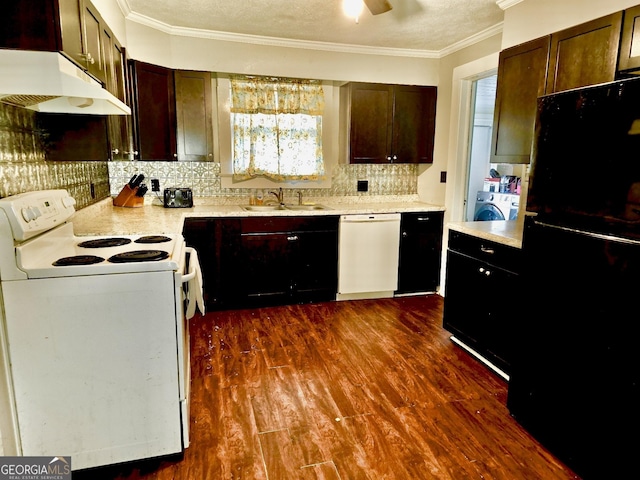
[(423, 25)]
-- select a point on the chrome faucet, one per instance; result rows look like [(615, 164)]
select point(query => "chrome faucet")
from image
[(279, 195)]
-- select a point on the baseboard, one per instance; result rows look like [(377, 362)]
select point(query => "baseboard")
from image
[(479, 357), (363, 295)]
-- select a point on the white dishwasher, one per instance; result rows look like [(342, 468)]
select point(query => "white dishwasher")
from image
[(368, 255)]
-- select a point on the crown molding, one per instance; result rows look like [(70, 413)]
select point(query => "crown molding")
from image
[(473, 39), (305, 44), (504, 4), (276, 41), (125, 8)]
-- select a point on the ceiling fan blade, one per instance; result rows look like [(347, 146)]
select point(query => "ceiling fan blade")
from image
[(377, 7)]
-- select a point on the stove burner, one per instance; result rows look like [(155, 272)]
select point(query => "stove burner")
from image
[(139, 256), (153, 239), (77, 260), (104, 242)]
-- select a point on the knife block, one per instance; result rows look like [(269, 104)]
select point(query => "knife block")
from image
[(127, 198)]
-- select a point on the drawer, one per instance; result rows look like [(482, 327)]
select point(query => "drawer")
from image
[(284, 224), (422, 221), (502, 256)]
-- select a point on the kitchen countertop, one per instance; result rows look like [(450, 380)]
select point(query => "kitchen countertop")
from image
[(506, 232), (103, 218)]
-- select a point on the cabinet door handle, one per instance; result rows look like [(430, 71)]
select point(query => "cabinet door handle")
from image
[(488, 250), (292, 238), (423, 219)]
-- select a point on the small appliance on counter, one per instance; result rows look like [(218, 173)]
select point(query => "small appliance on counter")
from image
[(132, 194), (178, 197)]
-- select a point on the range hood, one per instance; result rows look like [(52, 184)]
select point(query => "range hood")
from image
[(49, 82)]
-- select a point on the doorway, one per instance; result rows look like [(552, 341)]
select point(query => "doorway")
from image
[(483, 99)]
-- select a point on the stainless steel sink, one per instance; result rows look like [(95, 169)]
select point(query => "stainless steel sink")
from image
[(314, 206), (261, 208)]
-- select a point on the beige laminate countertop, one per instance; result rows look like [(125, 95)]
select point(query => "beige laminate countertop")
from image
[(506, 232), (103, 218)]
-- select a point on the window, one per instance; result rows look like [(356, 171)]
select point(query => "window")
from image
[(276, 128)]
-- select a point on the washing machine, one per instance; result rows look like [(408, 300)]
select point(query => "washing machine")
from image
[(496, 206)]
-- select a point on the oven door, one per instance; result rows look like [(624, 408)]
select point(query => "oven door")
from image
[(188, 296)]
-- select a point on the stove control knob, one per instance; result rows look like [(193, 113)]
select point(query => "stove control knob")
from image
[(28, 214)]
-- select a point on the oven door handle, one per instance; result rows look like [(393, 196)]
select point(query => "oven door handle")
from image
[(193, 283)]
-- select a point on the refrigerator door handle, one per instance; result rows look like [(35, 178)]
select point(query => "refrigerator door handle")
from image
[(601, 236)]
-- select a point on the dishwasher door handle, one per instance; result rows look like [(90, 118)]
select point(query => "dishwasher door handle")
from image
[(363, 218)]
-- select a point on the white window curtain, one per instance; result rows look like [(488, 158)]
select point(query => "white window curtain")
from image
[(277, 128)]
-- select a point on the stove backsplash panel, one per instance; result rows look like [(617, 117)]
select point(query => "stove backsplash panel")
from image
[(23, 166)]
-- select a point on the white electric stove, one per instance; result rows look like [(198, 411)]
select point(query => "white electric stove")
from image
[(94, 341)]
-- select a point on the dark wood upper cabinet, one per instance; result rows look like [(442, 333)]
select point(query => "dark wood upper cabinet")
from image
[(33, 24), (391, 123), (576, 57), (194, 120), (522, 75), (371, 122), (414, 124), (629, 59), (586, 54), (94, 53), (120, 126), (73, 27), (75, 137), (71, 30), (154, 114)]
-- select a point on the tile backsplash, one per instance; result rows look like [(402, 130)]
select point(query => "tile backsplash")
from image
[(24, 167), (204, 179)]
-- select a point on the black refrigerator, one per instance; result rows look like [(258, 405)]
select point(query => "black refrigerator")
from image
[(575, 378)]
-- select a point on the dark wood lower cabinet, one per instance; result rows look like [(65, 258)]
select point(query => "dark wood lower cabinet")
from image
[(482, 288), (420, 252), (260, 261)]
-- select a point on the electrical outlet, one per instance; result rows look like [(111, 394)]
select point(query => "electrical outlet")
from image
[(443, 177), (155, 185), (363, 185)]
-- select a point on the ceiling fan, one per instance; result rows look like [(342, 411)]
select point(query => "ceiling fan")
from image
[(353, 8), (376, 7)]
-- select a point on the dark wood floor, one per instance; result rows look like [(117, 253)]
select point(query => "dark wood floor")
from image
[(370, 389)]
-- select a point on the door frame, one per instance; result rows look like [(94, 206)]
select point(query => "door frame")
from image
[(458, 151)]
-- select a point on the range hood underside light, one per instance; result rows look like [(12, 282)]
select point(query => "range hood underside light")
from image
[(49, 82)]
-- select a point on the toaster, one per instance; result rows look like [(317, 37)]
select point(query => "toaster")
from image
[(178, 197)]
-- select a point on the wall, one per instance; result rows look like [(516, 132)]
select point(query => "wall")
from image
[(430, 188), (184, 52)]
